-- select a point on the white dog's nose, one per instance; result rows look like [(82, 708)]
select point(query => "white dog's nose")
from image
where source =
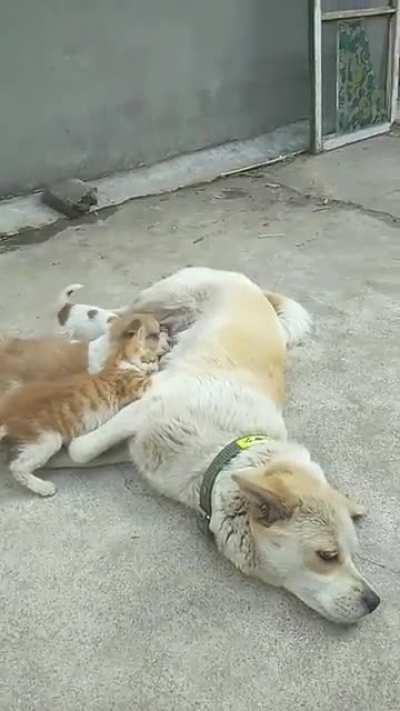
[(371, 600)]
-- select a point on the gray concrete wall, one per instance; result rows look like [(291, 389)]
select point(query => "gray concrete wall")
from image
[(87, 88)]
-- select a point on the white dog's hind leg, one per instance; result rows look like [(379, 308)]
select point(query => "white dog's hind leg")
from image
[(122, 426)]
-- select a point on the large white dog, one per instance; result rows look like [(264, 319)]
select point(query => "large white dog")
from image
[(209, 433)]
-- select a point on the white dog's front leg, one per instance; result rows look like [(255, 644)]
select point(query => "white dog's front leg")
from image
[(122, 426)]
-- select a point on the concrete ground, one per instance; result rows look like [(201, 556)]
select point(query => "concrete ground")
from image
[(101, 608)]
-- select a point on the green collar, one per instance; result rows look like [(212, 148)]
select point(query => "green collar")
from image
[(218, 463)]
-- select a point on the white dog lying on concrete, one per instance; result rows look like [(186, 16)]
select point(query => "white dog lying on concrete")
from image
[(209, 433)]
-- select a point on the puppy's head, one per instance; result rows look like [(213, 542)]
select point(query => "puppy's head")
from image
[(305, 539), (135, 341)]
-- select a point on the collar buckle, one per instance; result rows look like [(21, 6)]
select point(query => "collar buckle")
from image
[(203, 522)]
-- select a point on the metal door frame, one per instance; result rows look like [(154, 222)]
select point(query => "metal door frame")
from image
[(317, 18)]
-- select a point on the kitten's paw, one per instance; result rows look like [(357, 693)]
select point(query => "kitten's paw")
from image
[(150, 367), (45, 488)]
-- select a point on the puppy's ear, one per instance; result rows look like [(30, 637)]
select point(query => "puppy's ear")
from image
[(111, 328), (269, 498), (112, 318)]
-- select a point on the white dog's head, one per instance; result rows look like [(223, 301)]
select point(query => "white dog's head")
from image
[(304, 539)]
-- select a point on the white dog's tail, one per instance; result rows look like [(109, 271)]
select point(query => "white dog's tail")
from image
[(64, 302), (296, 321)]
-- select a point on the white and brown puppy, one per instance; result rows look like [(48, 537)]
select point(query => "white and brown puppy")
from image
[(81, 321), (271, 509)]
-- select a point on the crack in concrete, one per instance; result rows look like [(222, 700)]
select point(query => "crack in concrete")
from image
[(325, 204), (383, 566), (129, 485), (31, 236), (382, 215)]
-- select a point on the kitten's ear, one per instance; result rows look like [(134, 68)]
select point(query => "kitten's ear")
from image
[(122, 328), (132, 328)]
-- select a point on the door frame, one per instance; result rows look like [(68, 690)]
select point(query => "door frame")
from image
[(319, 142)]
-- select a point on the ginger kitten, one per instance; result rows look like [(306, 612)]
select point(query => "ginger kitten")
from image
[(37, 419)]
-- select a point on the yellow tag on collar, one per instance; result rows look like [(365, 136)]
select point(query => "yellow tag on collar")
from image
[(247, 442)]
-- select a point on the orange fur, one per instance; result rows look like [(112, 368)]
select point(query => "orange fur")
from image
[(25, 360), (40, 417)]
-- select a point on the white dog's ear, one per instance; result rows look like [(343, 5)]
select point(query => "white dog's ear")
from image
[(269, 498)]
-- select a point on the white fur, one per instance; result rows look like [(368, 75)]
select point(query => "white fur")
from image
[(202, 412), (295, 320), (98, 351), (78, 324), (196, 406)]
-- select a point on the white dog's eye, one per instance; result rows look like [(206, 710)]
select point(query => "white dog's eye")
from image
[(329, 556)]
